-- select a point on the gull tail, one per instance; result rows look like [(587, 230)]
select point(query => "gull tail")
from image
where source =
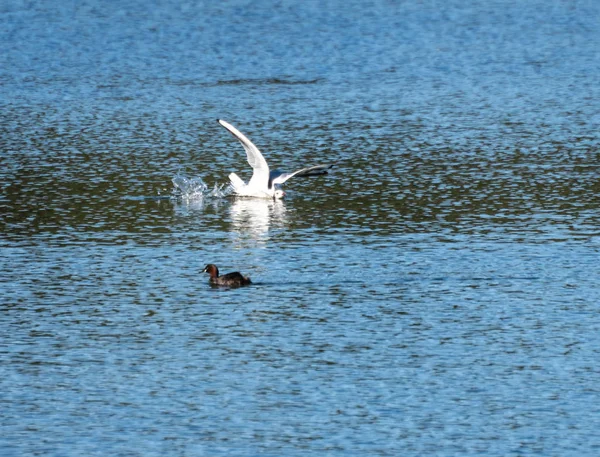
[(236, 182)]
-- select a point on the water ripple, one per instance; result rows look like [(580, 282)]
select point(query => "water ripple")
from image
[(436, 294)]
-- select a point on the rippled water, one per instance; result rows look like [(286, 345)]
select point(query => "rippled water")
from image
[(437, 294)]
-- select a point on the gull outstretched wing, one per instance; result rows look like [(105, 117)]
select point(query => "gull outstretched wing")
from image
[(260, 176), (279, 177)]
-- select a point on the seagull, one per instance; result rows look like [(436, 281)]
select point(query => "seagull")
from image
[(263, 182)]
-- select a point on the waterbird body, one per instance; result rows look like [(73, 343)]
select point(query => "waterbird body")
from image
[(264, 182), (235, 279)]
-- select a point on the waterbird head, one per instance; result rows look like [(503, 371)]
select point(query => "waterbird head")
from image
[(212, 270)]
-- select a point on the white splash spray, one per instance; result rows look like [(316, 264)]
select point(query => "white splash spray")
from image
[(196, 189)]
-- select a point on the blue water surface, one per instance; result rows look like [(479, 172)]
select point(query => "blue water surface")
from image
[(436, 294)]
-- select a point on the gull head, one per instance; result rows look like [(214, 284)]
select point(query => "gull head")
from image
[(279, 193)]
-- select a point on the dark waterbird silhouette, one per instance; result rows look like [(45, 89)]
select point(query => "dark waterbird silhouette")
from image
[(235, 279)]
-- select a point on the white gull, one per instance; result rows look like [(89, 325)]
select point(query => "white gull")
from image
[(263, 182)]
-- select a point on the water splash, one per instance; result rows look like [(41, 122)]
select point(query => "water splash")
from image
[(196, 189)]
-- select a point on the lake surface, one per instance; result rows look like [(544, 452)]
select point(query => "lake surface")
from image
[(437, 294)]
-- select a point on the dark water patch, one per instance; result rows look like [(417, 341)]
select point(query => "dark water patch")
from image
[(267, 81)]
